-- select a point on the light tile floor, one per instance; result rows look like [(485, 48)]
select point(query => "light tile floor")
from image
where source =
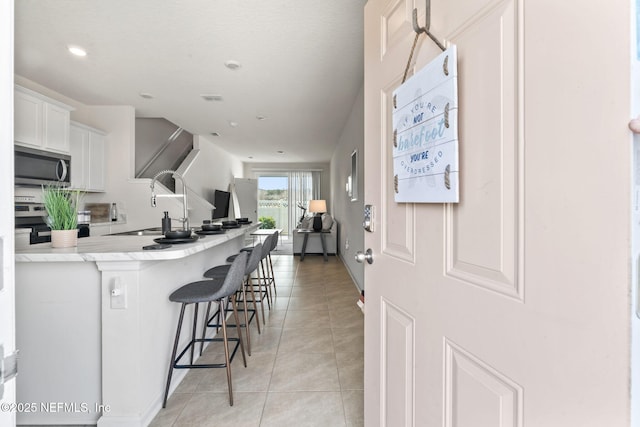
[(305, 368)]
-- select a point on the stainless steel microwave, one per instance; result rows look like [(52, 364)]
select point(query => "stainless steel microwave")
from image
[(39, 167)]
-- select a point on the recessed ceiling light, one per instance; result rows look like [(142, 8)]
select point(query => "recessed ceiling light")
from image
[(211, 97), (77, 50), (145, 95), (233, 124), (232, 65)]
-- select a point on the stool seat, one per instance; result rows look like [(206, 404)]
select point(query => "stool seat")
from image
[(249, 249), (219, 271), (201, 291)]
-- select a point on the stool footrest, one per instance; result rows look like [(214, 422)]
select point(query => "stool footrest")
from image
[(212, 365), (210, 323)]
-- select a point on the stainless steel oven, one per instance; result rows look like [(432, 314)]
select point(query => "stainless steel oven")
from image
[(38, 167), (31, 215)]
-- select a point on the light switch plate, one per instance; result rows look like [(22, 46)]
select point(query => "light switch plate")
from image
[(118, 295)]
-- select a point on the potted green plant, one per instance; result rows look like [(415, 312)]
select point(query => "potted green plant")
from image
[(267, 222), (61, 205)]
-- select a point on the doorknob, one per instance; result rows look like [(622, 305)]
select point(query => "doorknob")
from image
[(367, 256)]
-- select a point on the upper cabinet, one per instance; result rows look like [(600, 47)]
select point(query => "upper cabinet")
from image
[(41, 122), (87, 158)]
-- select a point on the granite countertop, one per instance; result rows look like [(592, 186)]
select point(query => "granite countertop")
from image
[(124, 248)]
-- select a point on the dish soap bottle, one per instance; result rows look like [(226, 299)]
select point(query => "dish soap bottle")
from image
[(166, 223), (114, 212)]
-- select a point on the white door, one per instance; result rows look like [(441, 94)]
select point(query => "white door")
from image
[(7, 306), (510, 308)]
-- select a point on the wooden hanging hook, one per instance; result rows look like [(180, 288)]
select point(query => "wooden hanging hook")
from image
[(418, 29)]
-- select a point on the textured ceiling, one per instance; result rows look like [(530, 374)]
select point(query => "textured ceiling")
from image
[(301, 65)]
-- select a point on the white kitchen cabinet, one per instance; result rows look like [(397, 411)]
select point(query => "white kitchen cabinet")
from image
[(87, 158), (41, 122), (28, 118)]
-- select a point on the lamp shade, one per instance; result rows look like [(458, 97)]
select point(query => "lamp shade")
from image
[(318, 206)]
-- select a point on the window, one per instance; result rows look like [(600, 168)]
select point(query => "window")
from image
[(281, 193)]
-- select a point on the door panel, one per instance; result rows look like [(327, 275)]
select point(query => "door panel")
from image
[(398, 349), (482, 232), (476, 394), (396, 21), (398, 240)]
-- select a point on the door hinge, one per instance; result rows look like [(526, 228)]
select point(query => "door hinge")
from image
[(8, 368)]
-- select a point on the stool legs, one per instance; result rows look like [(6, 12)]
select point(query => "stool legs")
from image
[(193, 330), (266, 280), (273, 276), (247, 327), (234, 305), (225, 338), (253, 299), (260, 296), (173, 355), (226, 350), (173, 364)]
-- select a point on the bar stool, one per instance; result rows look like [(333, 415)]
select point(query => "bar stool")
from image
[(266, 264), (261, 282), (210, 290), (220, 272), (274, 244)]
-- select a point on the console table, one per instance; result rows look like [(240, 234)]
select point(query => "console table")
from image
[(306, 234), (264, 232)]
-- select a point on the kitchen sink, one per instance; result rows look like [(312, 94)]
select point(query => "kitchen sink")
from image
[(155, 231)]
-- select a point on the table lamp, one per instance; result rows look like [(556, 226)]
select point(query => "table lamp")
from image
[(318, 207)]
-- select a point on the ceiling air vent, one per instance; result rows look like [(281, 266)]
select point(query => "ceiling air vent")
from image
[(210, 98)]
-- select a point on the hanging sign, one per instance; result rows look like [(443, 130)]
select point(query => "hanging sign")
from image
[(425, 134)]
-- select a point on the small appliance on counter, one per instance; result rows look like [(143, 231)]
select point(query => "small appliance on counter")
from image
[(84, 217), (100, 212)]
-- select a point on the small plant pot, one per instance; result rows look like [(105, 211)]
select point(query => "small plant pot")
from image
[(64, 238)]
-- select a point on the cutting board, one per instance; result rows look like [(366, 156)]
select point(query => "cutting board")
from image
[(99, 211)]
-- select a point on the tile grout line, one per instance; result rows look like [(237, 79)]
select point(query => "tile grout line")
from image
[(273, 367)]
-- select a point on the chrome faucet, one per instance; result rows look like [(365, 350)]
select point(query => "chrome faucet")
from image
[(154, 196)]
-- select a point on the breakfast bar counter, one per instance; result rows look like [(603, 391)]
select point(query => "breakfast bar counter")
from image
[(95, 327)]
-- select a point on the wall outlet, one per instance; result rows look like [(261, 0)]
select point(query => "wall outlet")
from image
[(346, 245)]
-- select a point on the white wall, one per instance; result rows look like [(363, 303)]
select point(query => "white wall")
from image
[(213, 169), (349, 213)]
